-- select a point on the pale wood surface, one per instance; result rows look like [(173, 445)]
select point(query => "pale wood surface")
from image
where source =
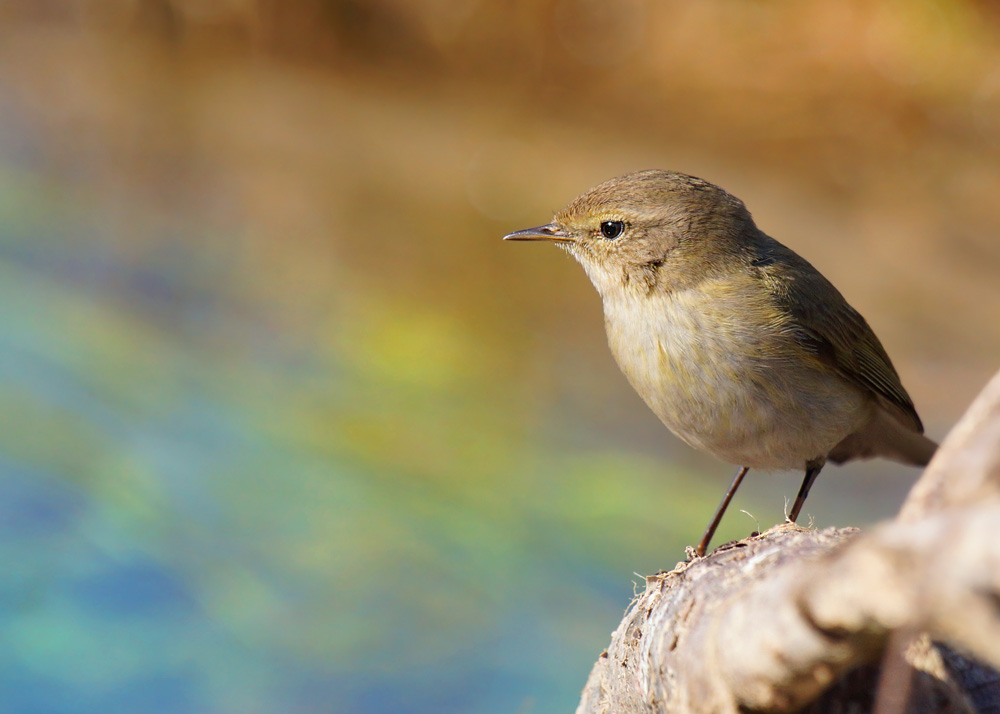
[(805, 620)]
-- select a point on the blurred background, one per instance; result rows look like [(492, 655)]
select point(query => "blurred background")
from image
[(287, 428)]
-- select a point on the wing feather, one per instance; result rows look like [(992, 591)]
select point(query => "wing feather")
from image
[(827, 326)]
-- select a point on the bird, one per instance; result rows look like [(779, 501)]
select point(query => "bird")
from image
[(739, 345)]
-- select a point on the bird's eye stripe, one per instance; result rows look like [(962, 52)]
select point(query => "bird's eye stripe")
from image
[(612, 229)]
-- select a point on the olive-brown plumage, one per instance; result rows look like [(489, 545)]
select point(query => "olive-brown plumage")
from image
[(739, 345)]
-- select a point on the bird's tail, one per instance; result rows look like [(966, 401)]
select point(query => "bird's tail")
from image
[(912, 448), (885, 436)]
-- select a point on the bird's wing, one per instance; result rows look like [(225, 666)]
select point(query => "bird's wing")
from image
[(839, 336)]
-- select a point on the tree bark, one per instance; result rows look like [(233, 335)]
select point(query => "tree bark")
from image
[(905, 618)]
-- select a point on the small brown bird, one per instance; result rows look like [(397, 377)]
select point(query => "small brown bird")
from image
[(740, 346)]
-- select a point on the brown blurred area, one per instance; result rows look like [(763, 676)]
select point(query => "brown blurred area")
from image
[(391, 143)]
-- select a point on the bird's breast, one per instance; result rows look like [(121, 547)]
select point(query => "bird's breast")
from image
[(722, 374)]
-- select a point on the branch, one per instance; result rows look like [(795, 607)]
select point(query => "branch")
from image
[(793, 617)]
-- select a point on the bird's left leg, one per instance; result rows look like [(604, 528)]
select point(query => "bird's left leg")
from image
[(812, 471)]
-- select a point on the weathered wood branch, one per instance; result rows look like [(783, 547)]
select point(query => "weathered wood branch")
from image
[(799, 620)]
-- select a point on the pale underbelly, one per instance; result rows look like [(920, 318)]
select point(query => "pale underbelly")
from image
[(760, 413), (753, 425)]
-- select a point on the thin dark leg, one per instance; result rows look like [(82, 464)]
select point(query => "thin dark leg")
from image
[(710, 531), (812, 471)]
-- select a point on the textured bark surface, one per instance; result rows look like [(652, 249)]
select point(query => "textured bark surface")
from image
[(834, 620)]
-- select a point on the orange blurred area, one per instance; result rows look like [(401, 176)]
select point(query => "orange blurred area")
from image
[(289, 428)]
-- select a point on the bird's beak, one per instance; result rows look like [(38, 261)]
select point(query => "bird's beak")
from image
[(550, 232)]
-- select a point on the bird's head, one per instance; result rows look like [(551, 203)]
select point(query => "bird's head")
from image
[(648, 229)]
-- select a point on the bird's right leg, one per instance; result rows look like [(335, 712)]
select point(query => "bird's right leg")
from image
[(710, 531)]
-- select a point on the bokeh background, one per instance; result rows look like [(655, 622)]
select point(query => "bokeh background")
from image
[(287, 428)]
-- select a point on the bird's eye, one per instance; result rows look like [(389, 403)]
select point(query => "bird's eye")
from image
[(612, 229)]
